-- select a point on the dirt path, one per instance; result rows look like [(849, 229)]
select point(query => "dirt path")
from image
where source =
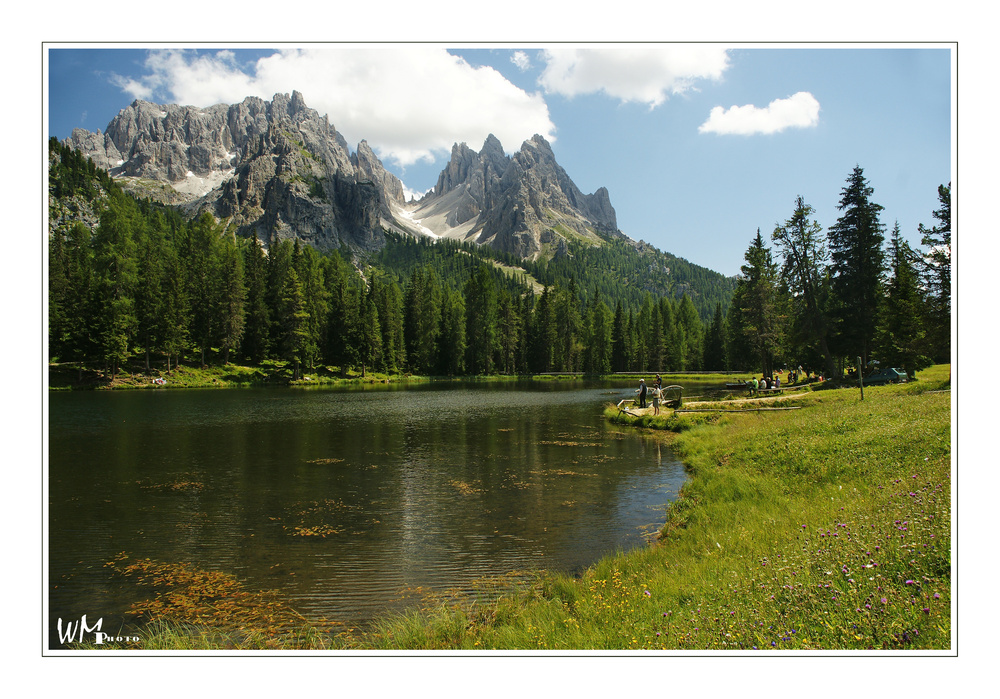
[(742, 401)]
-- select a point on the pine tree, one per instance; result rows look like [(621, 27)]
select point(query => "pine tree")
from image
[(857, 268), (257, 324), (388, 301), (508, 332), (481, 322), (292, 322), (422, 320), (755, 309), (936, 272), (801, 245), (543, 335), (150, 295), (715, 343), (342, 346), (115, 281), (204, 288), (694, 334), (452, 348), (619, 339), (902, 340), (600, 324), (231, 297), (316, 299)]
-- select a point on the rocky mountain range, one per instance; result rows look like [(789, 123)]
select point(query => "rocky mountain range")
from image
[(280, 170)]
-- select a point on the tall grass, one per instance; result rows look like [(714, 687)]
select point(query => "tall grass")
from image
[(826, 528), (823, 528)]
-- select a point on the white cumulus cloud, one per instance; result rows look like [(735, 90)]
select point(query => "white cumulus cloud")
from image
[(801, 110), (644, 74), (408, 102), (521, 60)]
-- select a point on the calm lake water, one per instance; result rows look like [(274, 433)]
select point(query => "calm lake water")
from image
[(429, 486)]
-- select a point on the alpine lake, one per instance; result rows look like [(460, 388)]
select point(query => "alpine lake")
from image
[(349, 502)]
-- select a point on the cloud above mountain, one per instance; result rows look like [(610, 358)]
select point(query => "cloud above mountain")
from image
[(648, 75), (801, 110), (410, 103)]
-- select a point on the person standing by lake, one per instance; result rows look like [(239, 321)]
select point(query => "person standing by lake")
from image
[(642, 393), (657, 394)]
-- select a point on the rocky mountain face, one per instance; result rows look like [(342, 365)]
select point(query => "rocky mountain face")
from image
[(525, 204), (275, 169), (280, 170)]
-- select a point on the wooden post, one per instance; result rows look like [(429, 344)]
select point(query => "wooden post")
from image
[(861, 382)]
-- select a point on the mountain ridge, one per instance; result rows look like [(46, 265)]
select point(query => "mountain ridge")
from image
[(277, 169)]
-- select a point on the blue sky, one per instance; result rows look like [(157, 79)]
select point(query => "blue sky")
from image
[(698, 144)]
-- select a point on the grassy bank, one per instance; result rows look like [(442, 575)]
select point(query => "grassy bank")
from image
[(827, 527), (71, 376)]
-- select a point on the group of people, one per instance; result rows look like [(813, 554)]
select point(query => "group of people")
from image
[(765, 383), (657, 391)]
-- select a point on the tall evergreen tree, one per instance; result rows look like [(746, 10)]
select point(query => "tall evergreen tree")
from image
[(694, 334), (543, 335), (291, 319), (755, 309), (508, 332), (204, 288), (422, 320), (481, 322), (342, 345), (600, 324), (715, 343), (936, 269), (257, 326), (902, 341), (452, 348), (232, 296), (857, 267), (316, 300), (800, 243), (150, 294), (115, 276), (389, 302), (619, 346)]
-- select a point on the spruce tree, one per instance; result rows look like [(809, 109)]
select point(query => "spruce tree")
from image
[(902, 340), (694, 334), (715, 343), (481, 322), (801, 245), (936, 271), (857, 268), (115, 276), (452, 347), (619, 348), (232, 297), (257, 324), (755, 310)]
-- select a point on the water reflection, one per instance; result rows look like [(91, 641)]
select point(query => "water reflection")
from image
[(430, 486)]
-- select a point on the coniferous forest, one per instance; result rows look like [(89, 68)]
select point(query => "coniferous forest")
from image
[(134, 284)]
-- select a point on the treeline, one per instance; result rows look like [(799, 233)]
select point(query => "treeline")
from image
[(825, 301), (145, 285), (142, 284)]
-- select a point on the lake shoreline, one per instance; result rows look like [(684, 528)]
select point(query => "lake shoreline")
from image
[(74, 377), (832, 534)]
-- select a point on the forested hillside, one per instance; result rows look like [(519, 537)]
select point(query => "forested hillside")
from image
[(132, 283)]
